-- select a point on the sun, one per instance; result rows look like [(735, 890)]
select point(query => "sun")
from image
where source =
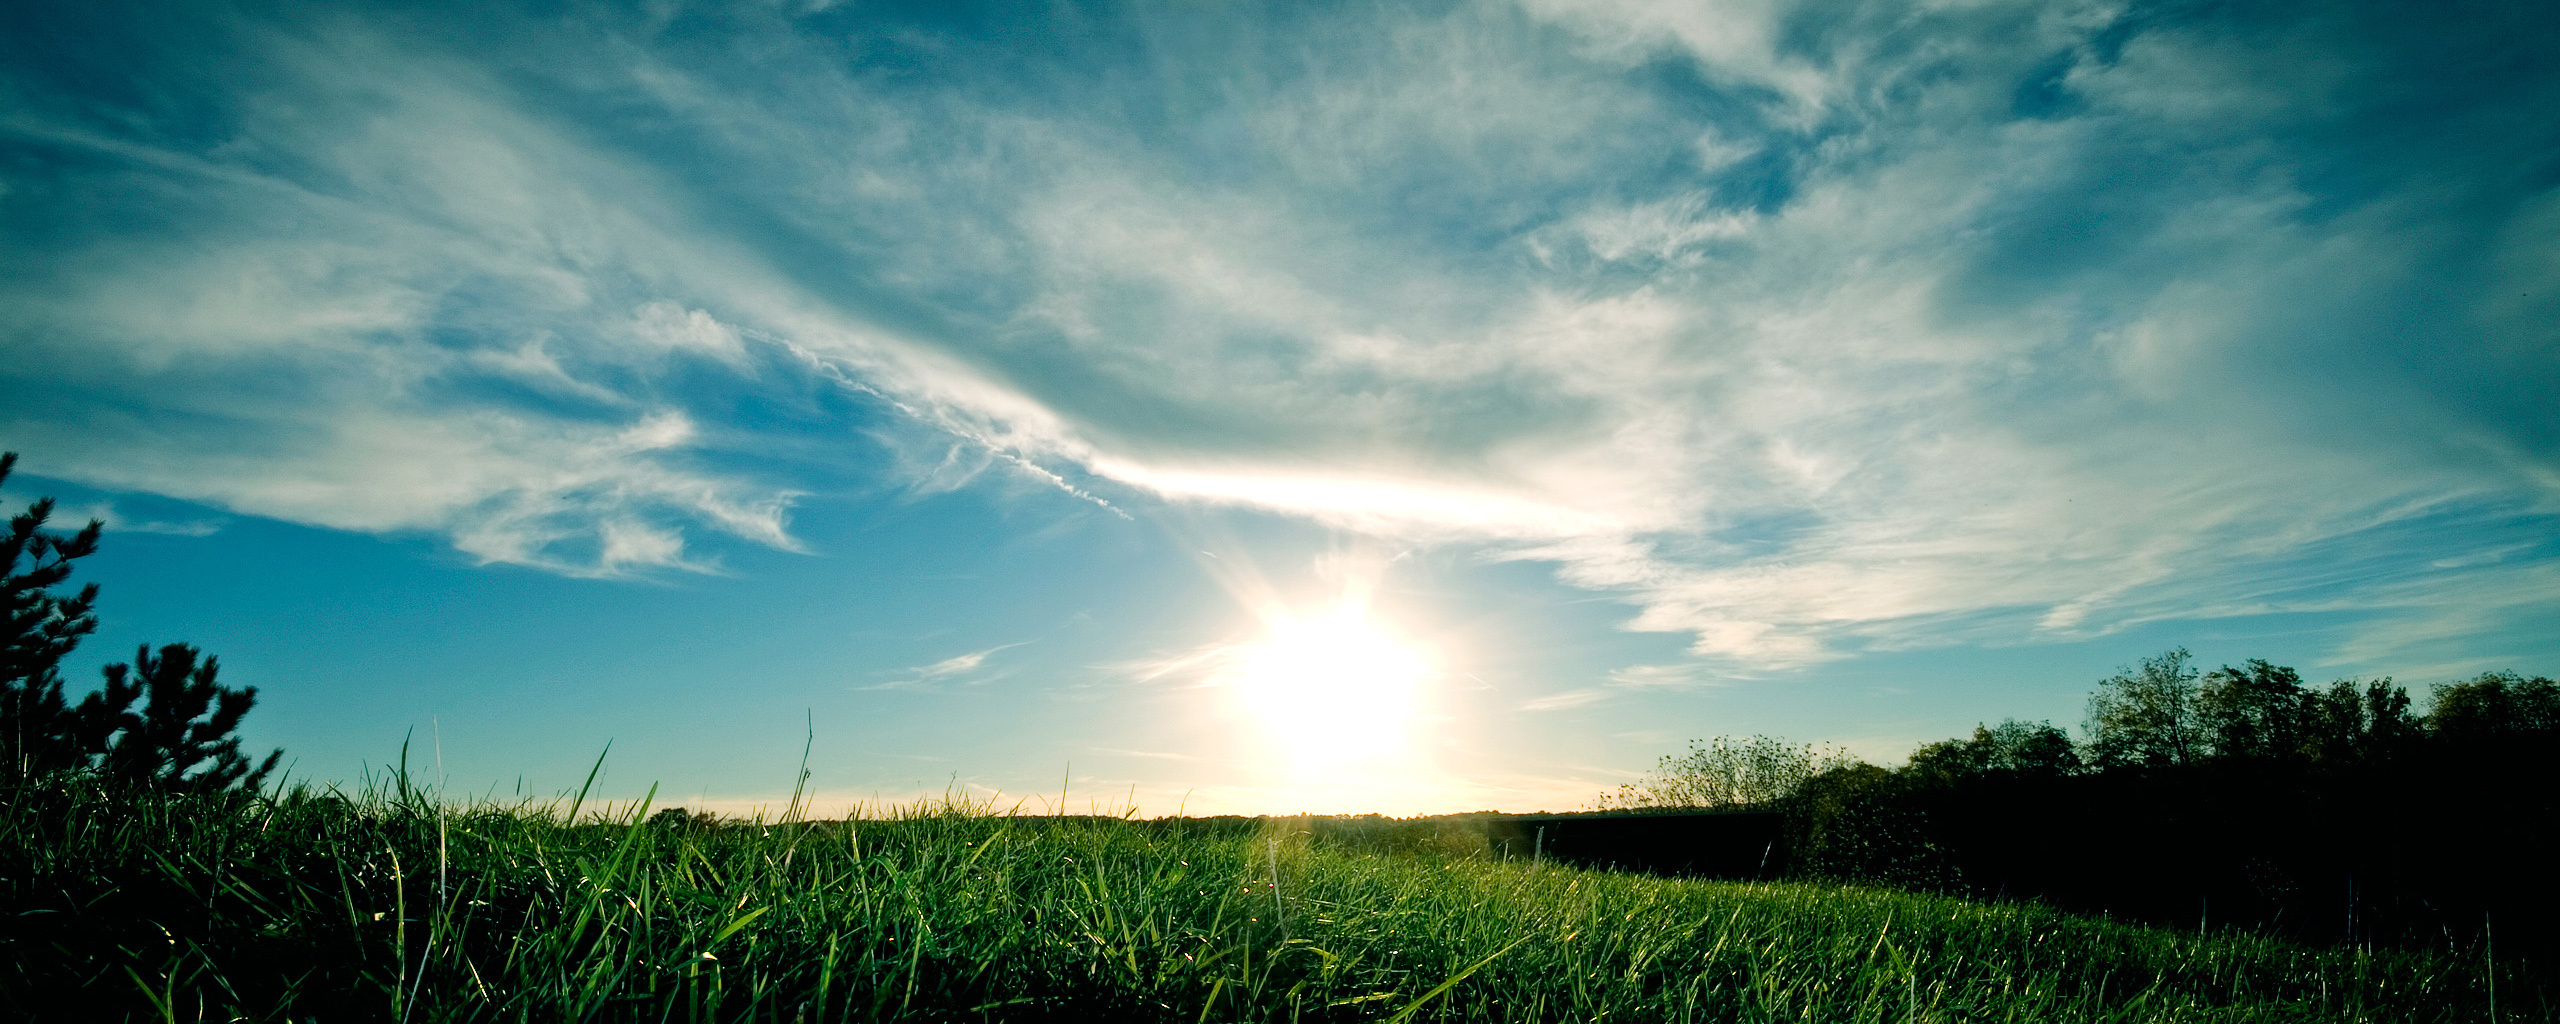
[(1335, 691)]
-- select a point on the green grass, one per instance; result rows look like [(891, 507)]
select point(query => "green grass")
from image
[(391, 907)]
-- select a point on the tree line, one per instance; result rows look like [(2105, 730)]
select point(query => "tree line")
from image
[(2240, 796), (2231, 797)]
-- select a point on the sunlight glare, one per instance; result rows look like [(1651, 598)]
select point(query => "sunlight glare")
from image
[(1334, 690)]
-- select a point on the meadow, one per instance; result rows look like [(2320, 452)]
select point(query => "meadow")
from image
[(392, 904)]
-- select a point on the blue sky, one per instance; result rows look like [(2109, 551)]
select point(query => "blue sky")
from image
[(988, 390)]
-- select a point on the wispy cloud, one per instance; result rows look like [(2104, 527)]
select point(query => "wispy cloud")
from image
[(69, 518), (963, 669), (1158, 755), (1633, 680), (106, 513), (1565, 700), (1803, 330)]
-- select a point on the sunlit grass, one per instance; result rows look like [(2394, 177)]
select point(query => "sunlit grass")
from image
[(390, 906)]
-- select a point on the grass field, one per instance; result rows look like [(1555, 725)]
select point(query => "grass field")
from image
[(391, 906)]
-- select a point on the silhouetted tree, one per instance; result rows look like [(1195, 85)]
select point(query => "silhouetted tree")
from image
[(2256, 712), (162, 747), (2013, 748), (38, 732), (2239, 797), (2348, 724), (2145, 717), (1728, 772), (2497, 705), (182, 738)]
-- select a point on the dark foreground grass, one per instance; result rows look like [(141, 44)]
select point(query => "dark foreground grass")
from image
[(388, 907)]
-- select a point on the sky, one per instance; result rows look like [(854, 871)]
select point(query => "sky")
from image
[(1207, 407)]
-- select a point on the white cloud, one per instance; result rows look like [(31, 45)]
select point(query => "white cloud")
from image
[(1942, 463), (1646, 677), (106, 513), (72, 518), (1830, 349), (1666, 229), (673, 327), (469, 222), (1564, 701), (1734, 41), (970, 668)]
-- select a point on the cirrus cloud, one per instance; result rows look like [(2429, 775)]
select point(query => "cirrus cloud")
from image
[(1805, 328)]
